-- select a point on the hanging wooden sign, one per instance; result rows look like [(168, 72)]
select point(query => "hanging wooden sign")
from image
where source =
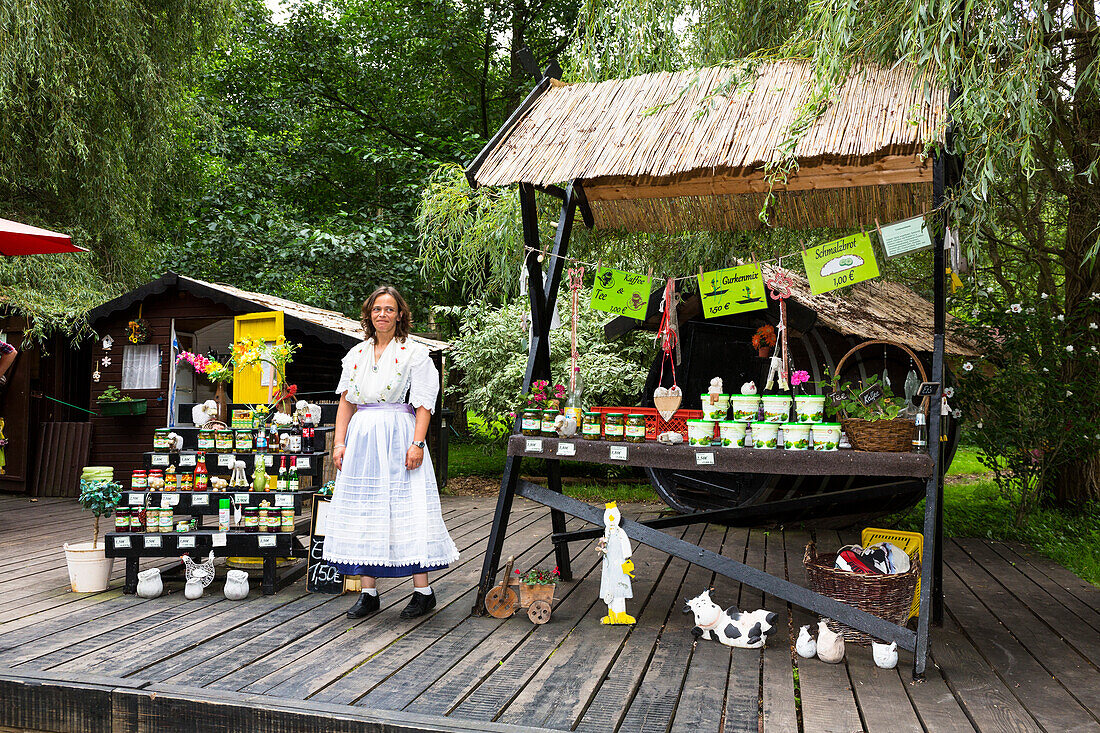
[(624, 293), (839, 263), (732, 290), (905, 237)]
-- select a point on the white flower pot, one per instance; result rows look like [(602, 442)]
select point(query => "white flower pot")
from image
[(89, 570)]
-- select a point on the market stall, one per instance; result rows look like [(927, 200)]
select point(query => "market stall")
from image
[(637, 157)]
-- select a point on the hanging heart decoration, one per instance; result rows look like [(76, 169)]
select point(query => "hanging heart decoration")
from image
[(667, 399)]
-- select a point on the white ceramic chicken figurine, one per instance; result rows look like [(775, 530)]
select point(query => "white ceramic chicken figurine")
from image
[(617, 569), (885, 655), (805, 644), (202, 572), (566, 427), (715, 389), (748, 388), (830, 645)]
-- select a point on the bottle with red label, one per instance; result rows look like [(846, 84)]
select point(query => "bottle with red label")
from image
[(202, 478)]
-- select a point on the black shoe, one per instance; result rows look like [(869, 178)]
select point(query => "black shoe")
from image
[(419, 605), (365, 606)]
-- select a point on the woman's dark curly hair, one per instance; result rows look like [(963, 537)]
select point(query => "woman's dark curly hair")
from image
[(404, 318)]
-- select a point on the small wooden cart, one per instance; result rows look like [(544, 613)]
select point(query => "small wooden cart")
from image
[(502, 601)]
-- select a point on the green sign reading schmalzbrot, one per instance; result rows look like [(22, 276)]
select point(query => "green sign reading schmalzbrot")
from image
[(621, 292), (733, 290), (839, 263)]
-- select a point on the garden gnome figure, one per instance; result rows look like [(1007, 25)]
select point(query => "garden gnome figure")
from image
[(617, 568)]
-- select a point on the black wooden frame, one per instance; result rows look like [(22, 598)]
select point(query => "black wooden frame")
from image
[(542, 298)]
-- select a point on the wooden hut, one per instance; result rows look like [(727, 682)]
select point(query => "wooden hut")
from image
[(202, 317)]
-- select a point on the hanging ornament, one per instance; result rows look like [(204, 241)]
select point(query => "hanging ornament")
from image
[(108, 342), (779, 288), (667, 400), (96, 376), (137, 330), (105, 361)]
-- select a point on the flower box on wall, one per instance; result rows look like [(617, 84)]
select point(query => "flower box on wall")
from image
[(117, 409)]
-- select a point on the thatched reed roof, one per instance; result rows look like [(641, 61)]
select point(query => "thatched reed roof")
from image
[(686, 151)]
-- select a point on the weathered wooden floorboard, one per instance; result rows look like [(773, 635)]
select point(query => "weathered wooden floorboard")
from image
[(777, 697), (1080, 588), (1014, 657), (933, 702), (615, 694), (654, 704), (558, 693), (828, 703), (325, 653)]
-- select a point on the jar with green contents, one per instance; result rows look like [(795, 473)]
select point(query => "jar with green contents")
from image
[(161, 441), (244, 441), (591, 429), (223, 440), (613, 426), (548, 418), (206, 440), (634, 428), (532, 422)]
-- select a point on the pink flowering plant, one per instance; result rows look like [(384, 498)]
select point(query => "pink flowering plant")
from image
[(800, 377), (1029, 396), (207, 367), (537, 576), (542, 396)]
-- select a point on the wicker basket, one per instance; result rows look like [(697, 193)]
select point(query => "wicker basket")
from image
[(887, 596), (881, 436)]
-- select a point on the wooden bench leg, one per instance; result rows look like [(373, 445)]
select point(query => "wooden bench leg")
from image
[(508, 483), (130, 585), (269, 576), (557, 521)]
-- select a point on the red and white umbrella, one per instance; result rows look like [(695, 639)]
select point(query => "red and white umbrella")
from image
[(23, 239)]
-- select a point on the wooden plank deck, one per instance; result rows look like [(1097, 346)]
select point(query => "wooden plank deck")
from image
[(1020, 650)]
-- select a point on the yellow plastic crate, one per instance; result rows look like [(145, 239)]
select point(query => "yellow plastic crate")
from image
[(910, 542)]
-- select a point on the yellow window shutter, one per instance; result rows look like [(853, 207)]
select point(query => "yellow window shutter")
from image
[(250, 384)]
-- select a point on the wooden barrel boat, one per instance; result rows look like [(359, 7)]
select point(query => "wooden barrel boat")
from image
[(722, 348)]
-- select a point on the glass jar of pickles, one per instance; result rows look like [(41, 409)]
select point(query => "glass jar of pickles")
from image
[(613, 423), (206, 440), (223, 440), (287, 520), (548, 418), (243, 441), (161, 440), (532, 422), (634, 428), (591, 428)]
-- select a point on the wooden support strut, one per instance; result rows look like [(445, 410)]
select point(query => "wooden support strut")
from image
[(542, 298)]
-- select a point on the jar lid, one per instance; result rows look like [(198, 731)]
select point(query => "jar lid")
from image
[(637, 414), (614, 414), (139, 470)]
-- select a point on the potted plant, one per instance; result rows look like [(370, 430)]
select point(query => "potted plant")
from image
[(809, 408), (542, 396), (113, 403), (89, 568), (256, 352), (218, 373), (871, 415), (764, 340)]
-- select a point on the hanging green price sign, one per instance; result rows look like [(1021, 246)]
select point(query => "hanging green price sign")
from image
[(732, 290), (621, 292), (839, 263)]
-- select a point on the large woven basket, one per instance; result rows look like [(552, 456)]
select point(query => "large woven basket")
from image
[(887, 596), (881, 436)]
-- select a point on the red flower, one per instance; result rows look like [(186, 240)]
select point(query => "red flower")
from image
[(518, 572)]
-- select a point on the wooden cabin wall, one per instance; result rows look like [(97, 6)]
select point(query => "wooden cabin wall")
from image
[(121, 441)]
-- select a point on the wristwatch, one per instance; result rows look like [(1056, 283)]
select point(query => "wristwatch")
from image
[(419, 444)]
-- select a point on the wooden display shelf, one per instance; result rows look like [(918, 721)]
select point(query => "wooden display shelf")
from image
[(309, 464), (726, 460), (190, 435), (187, 504)]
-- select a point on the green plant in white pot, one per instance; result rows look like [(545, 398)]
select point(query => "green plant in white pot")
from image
[(89, 568)]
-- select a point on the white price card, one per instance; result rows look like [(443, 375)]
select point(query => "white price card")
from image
[(567, 449), (122, 543), (137, 499), (284, 500), (533, 446), (159, 459), (187, 459), (152, 541), (240, 498), (200, 500), (186, 543), (302, 463), (217, 539), (618, 453), (704, 459), (225, 460), (269, 460), (266, 540), (172, 499)]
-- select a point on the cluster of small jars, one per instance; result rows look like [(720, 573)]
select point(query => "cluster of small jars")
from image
[(616, 426)]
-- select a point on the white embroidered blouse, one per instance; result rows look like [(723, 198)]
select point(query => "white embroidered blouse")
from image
[(402, 367)]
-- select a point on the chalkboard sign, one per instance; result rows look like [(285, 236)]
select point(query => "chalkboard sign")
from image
[(321, 576), (928, 389), (871, 395), (835, 398)]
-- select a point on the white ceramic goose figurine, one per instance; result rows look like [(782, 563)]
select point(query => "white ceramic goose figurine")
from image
[(885, 655), (830, 645), (805, 644)]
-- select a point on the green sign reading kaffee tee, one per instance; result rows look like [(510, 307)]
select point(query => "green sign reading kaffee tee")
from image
[(621, 292), (839, 263)]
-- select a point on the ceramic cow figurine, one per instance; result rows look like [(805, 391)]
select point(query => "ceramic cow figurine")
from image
[(730, 627)]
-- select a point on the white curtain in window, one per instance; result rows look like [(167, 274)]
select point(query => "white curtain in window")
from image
[(141, 366)]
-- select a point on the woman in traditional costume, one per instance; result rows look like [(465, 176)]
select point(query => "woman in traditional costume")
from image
[(384, 520)]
